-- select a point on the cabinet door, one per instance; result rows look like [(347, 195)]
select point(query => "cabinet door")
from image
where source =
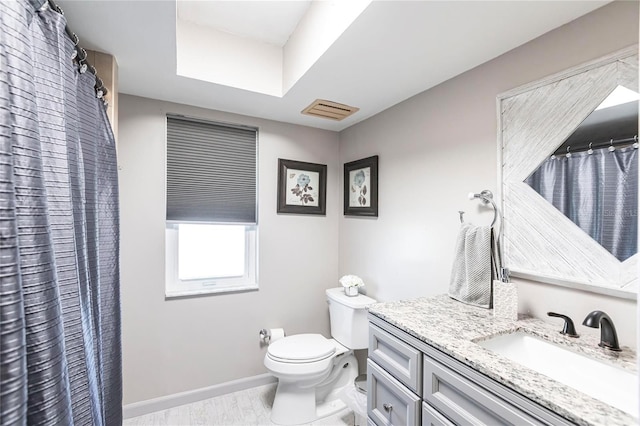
[(430, 417), (401, 360), (465, 402), (389, 402)]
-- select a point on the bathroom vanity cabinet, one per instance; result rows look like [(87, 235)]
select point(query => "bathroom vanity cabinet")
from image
[(428, 366), (412, 383)]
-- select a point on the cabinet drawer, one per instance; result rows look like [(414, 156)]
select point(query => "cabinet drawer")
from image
[(430, 417), (465, 402), (388, 401), (403, 361)]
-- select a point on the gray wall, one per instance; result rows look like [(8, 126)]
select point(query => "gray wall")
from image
[(176, 345), (440, 145)]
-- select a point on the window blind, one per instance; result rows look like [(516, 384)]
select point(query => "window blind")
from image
[(211, 172)]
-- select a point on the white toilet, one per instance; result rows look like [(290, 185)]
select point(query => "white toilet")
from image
[(312, 369)]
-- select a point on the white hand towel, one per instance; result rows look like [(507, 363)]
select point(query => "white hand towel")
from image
[(471, 273)]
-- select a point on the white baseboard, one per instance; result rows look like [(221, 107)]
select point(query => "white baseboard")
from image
[(169, 401)]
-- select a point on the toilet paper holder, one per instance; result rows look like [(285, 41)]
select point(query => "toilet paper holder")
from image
[(265, 335), (270, 335)]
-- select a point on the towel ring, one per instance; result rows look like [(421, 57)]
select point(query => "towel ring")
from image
[(486, 197)]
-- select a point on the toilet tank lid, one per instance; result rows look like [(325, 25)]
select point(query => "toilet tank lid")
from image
[(357, 302)]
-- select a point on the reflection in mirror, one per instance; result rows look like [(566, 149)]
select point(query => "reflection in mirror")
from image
[(593, 176)]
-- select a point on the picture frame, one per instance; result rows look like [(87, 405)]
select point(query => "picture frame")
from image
[(361, 187), (302, 187)]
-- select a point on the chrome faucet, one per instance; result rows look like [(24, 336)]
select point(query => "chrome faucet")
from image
[(608, 336)]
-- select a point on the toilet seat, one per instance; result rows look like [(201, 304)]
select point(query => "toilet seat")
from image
[(301, 348)]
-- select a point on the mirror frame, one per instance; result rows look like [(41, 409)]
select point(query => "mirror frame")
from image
[(538, 241)]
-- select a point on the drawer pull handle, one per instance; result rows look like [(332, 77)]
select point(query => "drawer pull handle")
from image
[(387, 407)]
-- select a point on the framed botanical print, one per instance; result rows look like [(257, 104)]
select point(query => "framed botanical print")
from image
[(302, 187), (361, 187)]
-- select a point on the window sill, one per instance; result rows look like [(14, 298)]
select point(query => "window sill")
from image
[(175, 294)]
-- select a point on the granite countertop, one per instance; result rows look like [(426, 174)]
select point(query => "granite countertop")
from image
[(454, 328)]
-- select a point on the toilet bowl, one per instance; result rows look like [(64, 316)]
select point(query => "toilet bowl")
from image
[(311, 369), (307, 367)]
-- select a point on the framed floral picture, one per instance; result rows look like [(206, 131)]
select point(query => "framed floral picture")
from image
[(302, 187), (361, 187)]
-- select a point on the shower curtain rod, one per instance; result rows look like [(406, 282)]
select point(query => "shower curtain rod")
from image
[(595, 145), (81, 54)]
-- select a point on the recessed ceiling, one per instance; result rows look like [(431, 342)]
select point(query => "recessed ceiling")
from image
[(231, 46), (391, 51), (270, 22)]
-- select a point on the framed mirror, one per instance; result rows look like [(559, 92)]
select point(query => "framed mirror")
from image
[(568, 165)]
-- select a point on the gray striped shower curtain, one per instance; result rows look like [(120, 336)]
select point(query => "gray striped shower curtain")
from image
[(60, 357)]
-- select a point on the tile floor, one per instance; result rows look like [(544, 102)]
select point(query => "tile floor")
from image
[(243, 408)]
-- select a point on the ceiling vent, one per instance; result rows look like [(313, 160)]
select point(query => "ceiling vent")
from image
[(330, 110)]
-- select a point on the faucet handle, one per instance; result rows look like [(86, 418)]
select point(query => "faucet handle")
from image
[(569, 329)]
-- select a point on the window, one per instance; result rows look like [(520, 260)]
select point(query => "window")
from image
[(211, 228), (210, 258)]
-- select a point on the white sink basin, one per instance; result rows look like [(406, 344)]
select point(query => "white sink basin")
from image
[(607, 383)]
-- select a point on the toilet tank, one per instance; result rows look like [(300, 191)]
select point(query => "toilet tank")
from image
[(348, 315)]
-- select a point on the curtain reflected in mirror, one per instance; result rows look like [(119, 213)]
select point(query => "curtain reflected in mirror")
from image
[(593, 176), (598, 192)]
